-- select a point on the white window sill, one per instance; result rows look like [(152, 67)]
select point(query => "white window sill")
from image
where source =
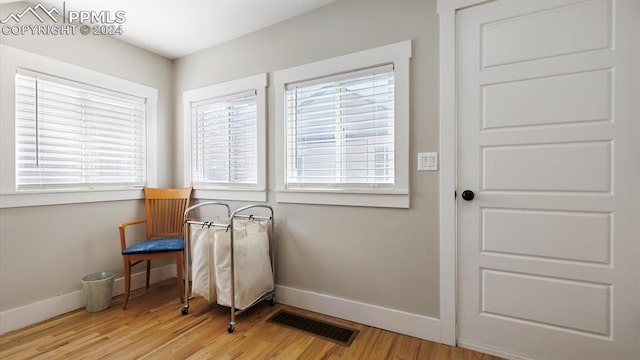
[(387, 200), (231, 194), (61, 197)]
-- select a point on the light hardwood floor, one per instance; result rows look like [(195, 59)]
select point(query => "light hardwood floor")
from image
[(153, 328)]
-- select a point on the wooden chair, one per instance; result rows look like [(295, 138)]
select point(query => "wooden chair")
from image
[(164, 234)]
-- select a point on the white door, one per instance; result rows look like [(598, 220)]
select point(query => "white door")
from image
[(548, 130)]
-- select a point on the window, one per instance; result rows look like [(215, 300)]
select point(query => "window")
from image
[(226, 127), (342, 129), (72, 135), (104, 125)]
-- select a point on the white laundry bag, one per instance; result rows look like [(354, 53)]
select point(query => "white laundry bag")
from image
[(203, 274), (253, 277)]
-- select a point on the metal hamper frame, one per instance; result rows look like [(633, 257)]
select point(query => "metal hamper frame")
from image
[(238, 213)]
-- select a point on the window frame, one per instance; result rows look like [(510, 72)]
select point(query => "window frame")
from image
[(399, 55), (13, 60), (240, 192)]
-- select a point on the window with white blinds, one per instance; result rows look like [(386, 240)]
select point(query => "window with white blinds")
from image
[(73, 135), (224, 143), (340, 130), (225, 139)]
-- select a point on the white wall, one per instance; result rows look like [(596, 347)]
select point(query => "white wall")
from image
[(46, 250), (375, 256)]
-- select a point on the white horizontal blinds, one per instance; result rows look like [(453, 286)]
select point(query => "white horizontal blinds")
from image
[(72, 135), (340, 130), (225, 140)]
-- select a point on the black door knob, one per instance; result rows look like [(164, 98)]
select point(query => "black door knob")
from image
[(468, 195)]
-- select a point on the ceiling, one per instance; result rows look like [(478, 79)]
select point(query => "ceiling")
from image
[(175, 28)]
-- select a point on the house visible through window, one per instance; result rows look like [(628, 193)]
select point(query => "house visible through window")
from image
[(73, 135), (341, 131), (224, 144)]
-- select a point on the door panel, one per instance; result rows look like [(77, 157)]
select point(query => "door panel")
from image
[(547, 128), (547, 301), (546, 33), (514, 104), (563, 235), (559, 167)]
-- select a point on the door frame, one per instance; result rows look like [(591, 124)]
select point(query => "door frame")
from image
[(447, 10)]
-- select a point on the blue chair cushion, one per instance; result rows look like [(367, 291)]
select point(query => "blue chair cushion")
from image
[(155, 246)]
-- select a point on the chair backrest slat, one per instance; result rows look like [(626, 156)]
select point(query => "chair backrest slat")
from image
[(164, 211)]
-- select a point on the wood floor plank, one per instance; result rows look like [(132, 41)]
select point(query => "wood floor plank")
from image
[(405, 348), (381, 345), (153, 328)]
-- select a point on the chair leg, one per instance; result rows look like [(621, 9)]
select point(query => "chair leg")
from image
[(148, 271), (127, 281), (179, 271)]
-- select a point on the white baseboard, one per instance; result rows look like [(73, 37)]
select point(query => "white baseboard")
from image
[(492, 350), (420, 326), (402, 322), (45, 309)]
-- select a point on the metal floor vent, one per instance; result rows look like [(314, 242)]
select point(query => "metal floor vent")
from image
[(328, 331)]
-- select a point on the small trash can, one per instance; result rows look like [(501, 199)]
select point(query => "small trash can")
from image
[(97, 289)]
